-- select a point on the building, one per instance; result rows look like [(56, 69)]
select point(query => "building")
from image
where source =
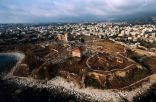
[(76, 52), (63, 37)]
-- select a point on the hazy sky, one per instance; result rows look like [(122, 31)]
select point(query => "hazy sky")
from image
[(72, 10)]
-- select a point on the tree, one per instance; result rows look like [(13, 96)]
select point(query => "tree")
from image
[(82, 40)]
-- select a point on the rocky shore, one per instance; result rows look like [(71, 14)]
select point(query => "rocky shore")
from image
[(19, 57), (9, 61), (59, 86), (59, 89)]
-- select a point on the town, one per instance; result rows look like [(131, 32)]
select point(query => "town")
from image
[(137, 35), (101, 55)]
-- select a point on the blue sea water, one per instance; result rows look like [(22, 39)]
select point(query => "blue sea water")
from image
[(7, 62)]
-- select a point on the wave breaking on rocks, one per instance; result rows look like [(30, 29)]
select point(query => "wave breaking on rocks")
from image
[(19, 57), (61, 86)]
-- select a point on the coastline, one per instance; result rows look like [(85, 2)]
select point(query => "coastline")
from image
[(59, 85), (19, 57)]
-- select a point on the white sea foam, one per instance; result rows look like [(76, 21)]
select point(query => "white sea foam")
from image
[(18, 55), (68, 88)]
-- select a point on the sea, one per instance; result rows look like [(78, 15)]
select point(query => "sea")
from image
[(9, 92), (7, 62)]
